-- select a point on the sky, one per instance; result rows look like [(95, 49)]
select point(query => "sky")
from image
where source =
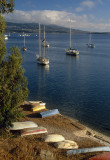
[(87, 15)]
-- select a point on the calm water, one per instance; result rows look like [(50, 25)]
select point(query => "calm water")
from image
[(78, 86)]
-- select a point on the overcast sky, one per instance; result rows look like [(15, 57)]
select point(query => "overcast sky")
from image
[(90, 15)]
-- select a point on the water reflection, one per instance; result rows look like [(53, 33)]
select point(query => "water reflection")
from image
[(44, 68), (72, 57), (42, 80)]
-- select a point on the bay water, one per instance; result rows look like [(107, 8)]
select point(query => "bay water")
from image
[(79, 87)]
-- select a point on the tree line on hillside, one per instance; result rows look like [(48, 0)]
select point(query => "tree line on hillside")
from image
[(33, 28)]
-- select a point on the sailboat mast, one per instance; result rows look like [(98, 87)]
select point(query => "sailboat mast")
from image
[(39, 42), (70, 33), (44, 41), (24, 40), (90, 38)]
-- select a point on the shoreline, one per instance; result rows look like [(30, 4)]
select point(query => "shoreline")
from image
[(93, 133), (33, 145), (81, 130)]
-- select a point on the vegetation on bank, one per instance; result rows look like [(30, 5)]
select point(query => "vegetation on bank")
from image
[(13, 83)]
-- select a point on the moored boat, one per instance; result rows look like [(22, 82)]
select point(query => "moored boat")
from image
[(24, 48), (44, 42), (90, 45), (70, 51), (41, 59), (6, 37)]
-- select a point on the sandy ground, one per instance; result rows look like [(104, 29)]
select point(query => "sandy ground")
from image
[(17, 148)]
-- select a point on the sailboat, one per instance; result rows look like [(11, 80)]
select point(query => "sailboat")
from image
[(24, 48), (6, 37), (71, 51), (44, 42), (90, 45), (41, 60)]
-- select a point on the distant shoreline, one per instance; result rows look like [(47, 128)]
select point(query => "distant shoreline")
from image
[(33, 28)]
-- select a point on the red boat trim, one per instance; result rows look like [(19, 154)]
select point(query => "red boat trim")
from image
[(40, 130)]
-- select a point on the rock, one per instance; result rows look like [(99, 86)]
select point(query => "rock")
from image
[(66, 144), (80, 133), (46, 155)]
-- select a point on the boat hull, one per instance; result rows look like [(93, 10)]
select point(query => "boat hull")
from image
[(30, 131), (37, 102), (90, 45), (49, 113), (38, 108), (42, 61), (22, 125), (24, 49), (103, 156), (72, 52), (46, 45), (5, 37)]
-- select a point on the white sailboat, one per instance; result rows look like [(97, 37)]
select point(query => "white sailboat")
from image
[(41, 60), (24, 48), (44, 42), (90, 45), (6, 37), (71, 51)]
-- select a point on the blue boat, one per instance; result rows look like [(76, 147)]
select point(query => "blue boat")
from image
[(49, 113)]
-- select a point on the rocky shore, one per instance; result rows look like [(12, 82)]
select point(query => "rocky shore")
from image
[(33, 146)]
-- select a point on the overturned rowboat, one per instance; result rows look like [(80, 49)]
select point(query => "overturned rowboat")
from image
[(36, 102), (38, 107), (30, 131), (87, 150), (103, 156), (22, 125), (49, 113), (54, 138)]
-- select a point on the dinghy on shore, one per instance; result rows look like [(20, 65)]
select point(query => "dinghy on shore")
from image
[(54, 138), (22, 125), (87, 150), (38, 107), (36, 130), (37, 102), (49, 113), (103, 156)]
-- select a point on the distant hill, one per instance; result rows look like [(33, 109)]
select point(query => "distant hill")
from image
[(33, 28)]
